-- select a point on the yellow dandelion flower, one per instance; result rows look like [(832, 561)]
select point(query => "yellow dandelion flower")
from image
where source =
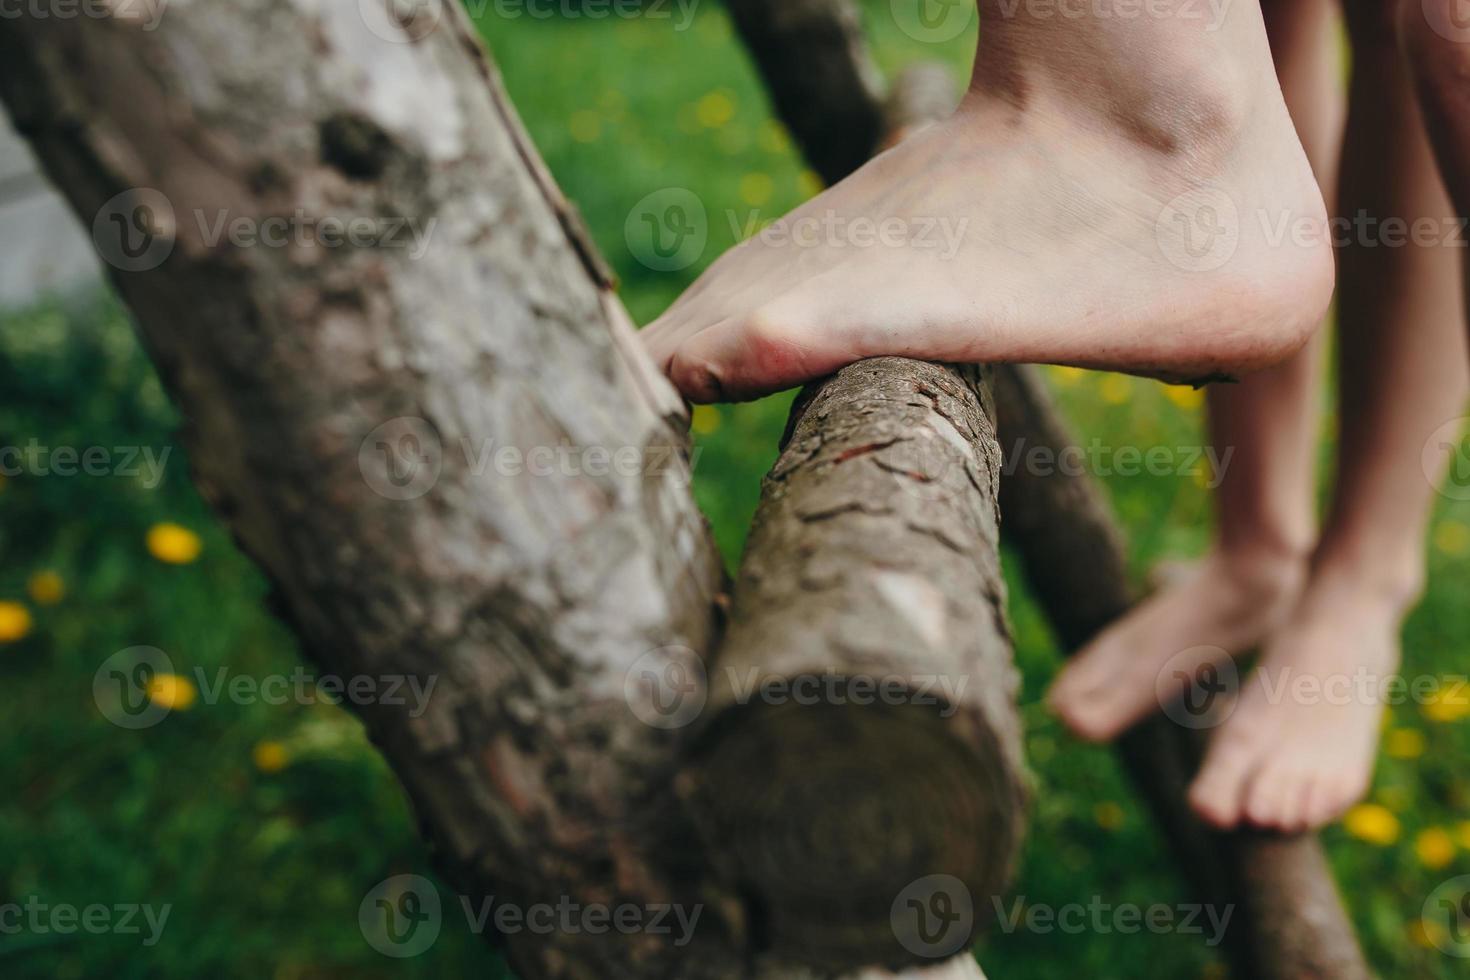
[(270, 757), (1428, 933), (705, 420), (756, 189), (810, 183), (1214, 971), (1462, 834), (585, 126), (1449, 703), (716, 109), (1404, 743), (1109, 815), (1115, 389), (46, 588), (1066, 376), (173, 692), (15, 621), (173, 543), (1434, 847), (1452, 538), (1185, 397), (1372, 823)]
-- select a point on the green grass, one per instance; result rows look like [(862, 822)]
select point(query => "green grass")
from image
[(264, 869)]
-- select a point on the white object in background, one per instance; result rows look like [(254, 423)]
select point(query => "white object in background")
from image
[(43, 248)]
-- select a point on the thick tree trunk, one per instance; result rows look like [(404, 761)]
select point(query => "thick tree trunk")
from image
[(386, 427), (1293, 924), (338, 400), (865, 691)]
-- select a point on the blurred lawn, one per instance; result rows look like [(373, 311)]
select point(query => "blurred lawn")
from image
[(264, 826)]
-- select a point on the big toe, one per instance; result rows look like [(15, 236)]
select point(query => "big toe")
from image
[(1218, 793)]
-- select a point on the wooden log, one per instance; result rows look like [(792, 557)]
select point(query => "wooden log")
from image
[(861, 747)]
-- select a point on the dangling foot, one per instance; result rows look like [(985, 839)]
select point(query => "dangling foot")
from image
[(1298, 749), (1120, 208), (1225, 606)]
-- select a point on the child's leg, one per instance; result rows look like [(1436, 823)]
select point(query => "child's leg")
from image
[(1266, 500), (1437, 40), (1106, 197), (1300, 745)]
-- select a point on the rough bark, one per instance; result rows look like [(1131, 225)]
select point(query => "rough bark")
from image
[(527, 599), (1290, 922), (865, 690)]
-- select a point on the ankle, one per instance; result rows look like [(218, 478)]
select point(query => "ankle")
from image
[(1184, 88), (1265, 568), (1392, 587)]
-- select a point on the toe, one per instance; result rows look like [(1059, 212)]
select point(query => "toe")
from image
[(1218, 792), (1270, 795), (747, 357)]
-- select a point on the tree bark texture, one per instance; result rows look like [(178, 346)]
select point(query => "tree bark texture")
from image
[(338, 401), (871, 588)]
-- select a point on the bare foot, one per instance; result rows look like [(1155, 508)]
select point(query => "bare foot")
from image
[(1298, 749), (1225, 606), (1119, 208)]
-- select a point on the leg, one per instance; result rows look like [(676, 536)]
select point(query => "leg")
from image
[(1094, 201), (1436, 36), (1299, 748), (1266, 501)]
